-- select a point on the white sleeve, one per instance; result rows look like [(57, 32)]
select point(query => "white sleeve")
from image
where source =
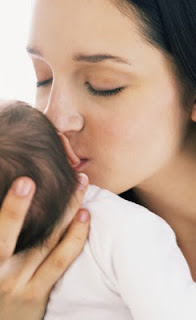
[(153, 276)]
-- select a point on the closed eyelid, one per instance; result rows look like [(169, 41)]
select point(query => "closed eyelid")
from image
[(44, 82), (103, 92)]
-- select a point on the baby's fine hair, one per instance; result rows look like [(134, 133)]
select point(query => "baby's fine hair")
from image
[(30, 146)]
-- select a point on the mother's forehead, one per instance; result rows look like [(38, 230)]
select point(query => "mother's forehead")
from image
[(78, 22)]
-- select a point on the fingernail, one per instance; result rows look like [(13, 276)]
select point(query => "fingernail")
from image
[(83, 180), (83, 216), (22, 187)]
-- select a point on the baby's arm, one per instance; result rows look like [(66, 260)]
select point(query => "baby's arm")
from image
[(152, 273)]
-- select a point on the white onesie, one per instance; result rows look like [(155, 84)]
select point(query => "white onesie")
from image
[(131, 268)]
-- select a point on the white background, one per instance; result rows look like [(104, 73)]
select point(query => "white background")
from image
[(17, 80)]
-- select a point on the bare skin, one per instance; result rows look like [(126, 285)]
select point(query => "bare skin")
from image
[(27, 279), (138, 132), (130, 137)]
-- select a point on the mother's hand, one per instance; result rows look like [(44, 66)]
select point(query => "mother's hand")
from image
[(26, 279)]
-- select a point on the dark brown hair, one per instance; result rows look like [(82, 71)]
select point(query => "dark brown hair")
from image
[(30, 146), (169, 25)]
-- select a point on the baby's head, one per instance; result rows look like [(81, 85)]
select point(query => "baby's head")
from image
[(30, 146)]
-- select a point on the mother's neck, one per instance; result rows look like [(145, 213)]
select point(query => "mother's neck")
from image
[(172, 195)]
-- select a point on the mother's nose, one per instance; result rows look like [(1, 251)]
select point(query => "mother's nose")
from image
[(63, 112)]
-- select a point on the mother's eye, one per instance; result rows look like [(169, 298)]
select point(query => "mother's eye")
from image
[(44, 83), (103, 93)]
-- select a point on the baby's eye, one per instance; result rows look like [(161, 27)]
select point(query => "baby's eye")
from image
[(44, 83), (103, 93)]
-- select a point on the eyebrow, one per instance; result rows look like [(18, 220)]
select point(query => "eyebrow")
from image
[(95, 58), (99, 58)]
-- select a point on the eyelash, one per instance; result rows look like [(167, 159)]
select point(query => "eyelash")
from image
[(94, 92), (103, 93), (44, 83)]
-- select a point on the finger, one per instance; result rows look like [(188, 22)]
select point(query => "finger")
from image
[(70, 212), (64, 254), (33, 258), (12, 214)]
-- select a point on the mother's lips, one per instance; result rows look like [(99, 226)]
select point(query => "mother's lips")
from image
[(81, 165)]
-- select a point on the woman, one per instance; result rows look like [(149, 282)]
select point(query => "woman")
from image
[(118, 80)]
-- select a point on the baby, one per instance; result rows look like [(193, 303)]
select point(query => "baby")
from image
[(30, 146), (131, 266)]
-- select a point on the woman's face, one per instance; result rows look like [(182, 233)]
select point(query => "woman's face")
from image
[(103, 86)]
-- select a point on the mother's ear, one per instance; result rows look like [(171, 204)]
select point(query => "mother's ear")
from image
[(193, 114)]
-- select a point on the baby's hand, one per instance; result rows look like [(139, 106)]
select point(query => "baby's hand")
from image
[(27, 279)]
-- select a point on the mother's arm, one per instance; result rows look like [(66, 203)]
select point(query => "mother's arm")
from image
[(27, 279)]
